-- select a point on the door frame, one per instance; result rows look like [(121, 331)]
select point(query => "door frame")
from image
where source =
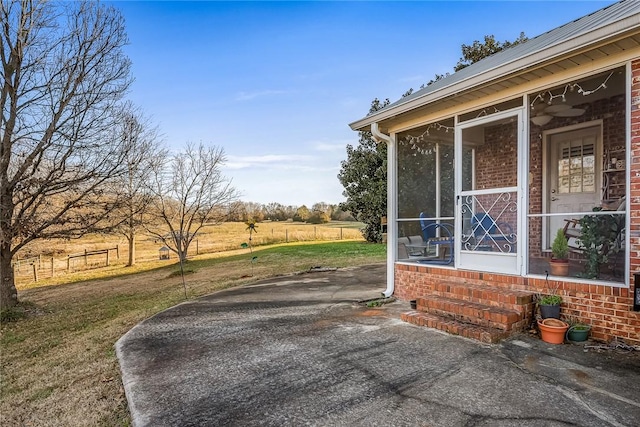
[(488, 261), (546, 182)]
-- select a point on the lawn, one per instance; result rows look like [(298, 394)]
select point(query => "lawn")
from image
[(220, 238), (58, 365)]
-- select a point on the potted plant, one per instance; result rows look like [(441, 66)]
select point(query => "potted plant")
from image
[(549, 305), (578, 331), (552, 330), (559, 263), (599, 234)]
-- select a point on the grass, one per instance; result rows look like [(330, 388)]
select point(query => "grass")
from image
[(58, 364), (211, 239)]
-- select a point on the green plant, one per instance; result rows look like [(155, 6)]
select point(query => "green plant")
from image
[(580, 327), (576, 324), (12, 314), (560, 246), (598, 241), (552, 299)]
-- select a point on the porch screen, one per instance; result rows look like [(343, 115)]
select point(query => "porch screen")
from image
[(425, 191)]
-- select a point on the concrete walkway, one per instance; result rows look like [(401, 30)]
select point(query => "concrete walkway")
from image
[(300, 351)]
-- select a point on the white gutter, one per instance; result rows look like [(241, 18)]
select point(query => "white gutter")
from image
[(380, 137)]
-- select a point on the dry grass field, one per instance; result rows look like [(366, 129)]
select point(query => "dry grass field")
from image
[(58, 365), (55, 265)]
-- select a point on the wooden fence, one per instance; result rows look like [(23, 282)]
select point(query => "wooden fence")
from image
[(39, 267), (42, 267)]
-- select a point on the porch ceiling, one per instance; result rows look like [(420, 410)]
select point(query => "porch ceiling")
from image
[(531, 76)]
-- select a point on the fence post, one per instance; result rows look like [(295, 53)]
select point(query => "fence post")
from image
[(197, 247), (39, 261), (86, 262), (286, 235), (315, 234), (51, 266), (68, 262), (117, 251), (107, 257), (340, 233), (35, 271)]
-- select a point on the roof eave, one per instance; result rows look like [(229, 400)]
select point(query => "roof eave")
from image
[(582, 42)]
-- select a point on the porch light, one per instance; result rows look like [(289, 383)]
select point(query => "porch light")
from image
[(541, 120)]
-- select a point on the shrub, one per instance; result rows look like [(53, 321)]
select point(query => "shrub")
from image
[(560, 246)]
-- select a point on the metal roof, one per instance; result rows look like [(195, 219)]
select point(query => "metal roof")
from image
[(605, 23)]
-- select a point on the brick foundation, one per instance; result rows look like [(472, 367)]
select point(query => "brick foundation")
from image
[(607, 309)]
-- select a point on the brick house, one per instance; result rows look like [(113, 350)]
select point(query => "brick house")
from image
[(486, 165)]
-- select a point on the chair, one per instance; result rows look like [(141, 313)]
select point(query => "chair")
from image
[(573, 231), (489, 233), (437, 235)]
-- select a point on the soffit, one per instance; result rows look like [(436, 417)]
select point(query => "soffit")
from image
[(568, 64)]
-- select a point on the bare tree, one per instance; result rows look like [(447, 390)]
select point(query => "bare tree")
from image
[(63, 73), (190, 191), (143, 152)]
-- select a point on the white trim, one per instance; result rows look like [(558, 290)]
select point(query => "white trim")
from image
[(581, 280), (627, 237), (489, 191), (523, 180), (457, 188), (538, 85)]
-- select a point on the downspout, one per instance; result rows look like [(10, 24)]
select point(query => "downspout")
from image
[(380, 137)]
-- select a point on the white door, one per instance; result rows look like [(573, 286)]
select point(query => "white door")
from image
[(574, 176), (489, 166)]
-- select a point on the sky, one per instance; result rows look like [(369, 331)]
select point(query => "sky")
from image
[(275, 84)]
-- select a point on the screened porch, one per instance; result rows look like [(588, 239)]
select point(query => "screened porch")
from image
[(489, 189)]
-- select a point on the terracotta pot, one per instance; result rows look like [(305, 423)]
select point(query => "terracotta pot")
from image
[(552, 330), (559, 267)]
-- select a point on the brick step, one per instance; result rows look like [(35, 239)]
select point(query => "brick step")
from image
[(492, 296), (454, 327), (472, 312)]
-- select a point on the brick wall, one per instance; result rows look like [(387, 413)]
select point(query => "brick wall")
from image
[(611, 111), (497, 158)]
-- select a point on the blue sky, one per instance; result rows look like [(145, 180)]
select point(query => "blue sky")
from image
[(276, 83)]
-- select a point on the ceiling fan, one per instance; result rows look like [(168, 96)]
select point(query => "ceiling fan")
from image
[(560, 110)]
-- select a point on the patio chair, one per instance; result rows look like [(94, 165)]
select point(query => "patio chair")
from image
[(488, 233), (438, 236)]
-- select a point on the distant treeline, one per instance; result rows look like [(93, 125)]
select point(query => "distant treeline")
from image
[(319, 213)]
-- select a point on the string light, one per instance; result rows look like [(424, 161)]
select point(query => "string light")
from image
[(571, 87), (432, 126), (484, 112), (414, 140)]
